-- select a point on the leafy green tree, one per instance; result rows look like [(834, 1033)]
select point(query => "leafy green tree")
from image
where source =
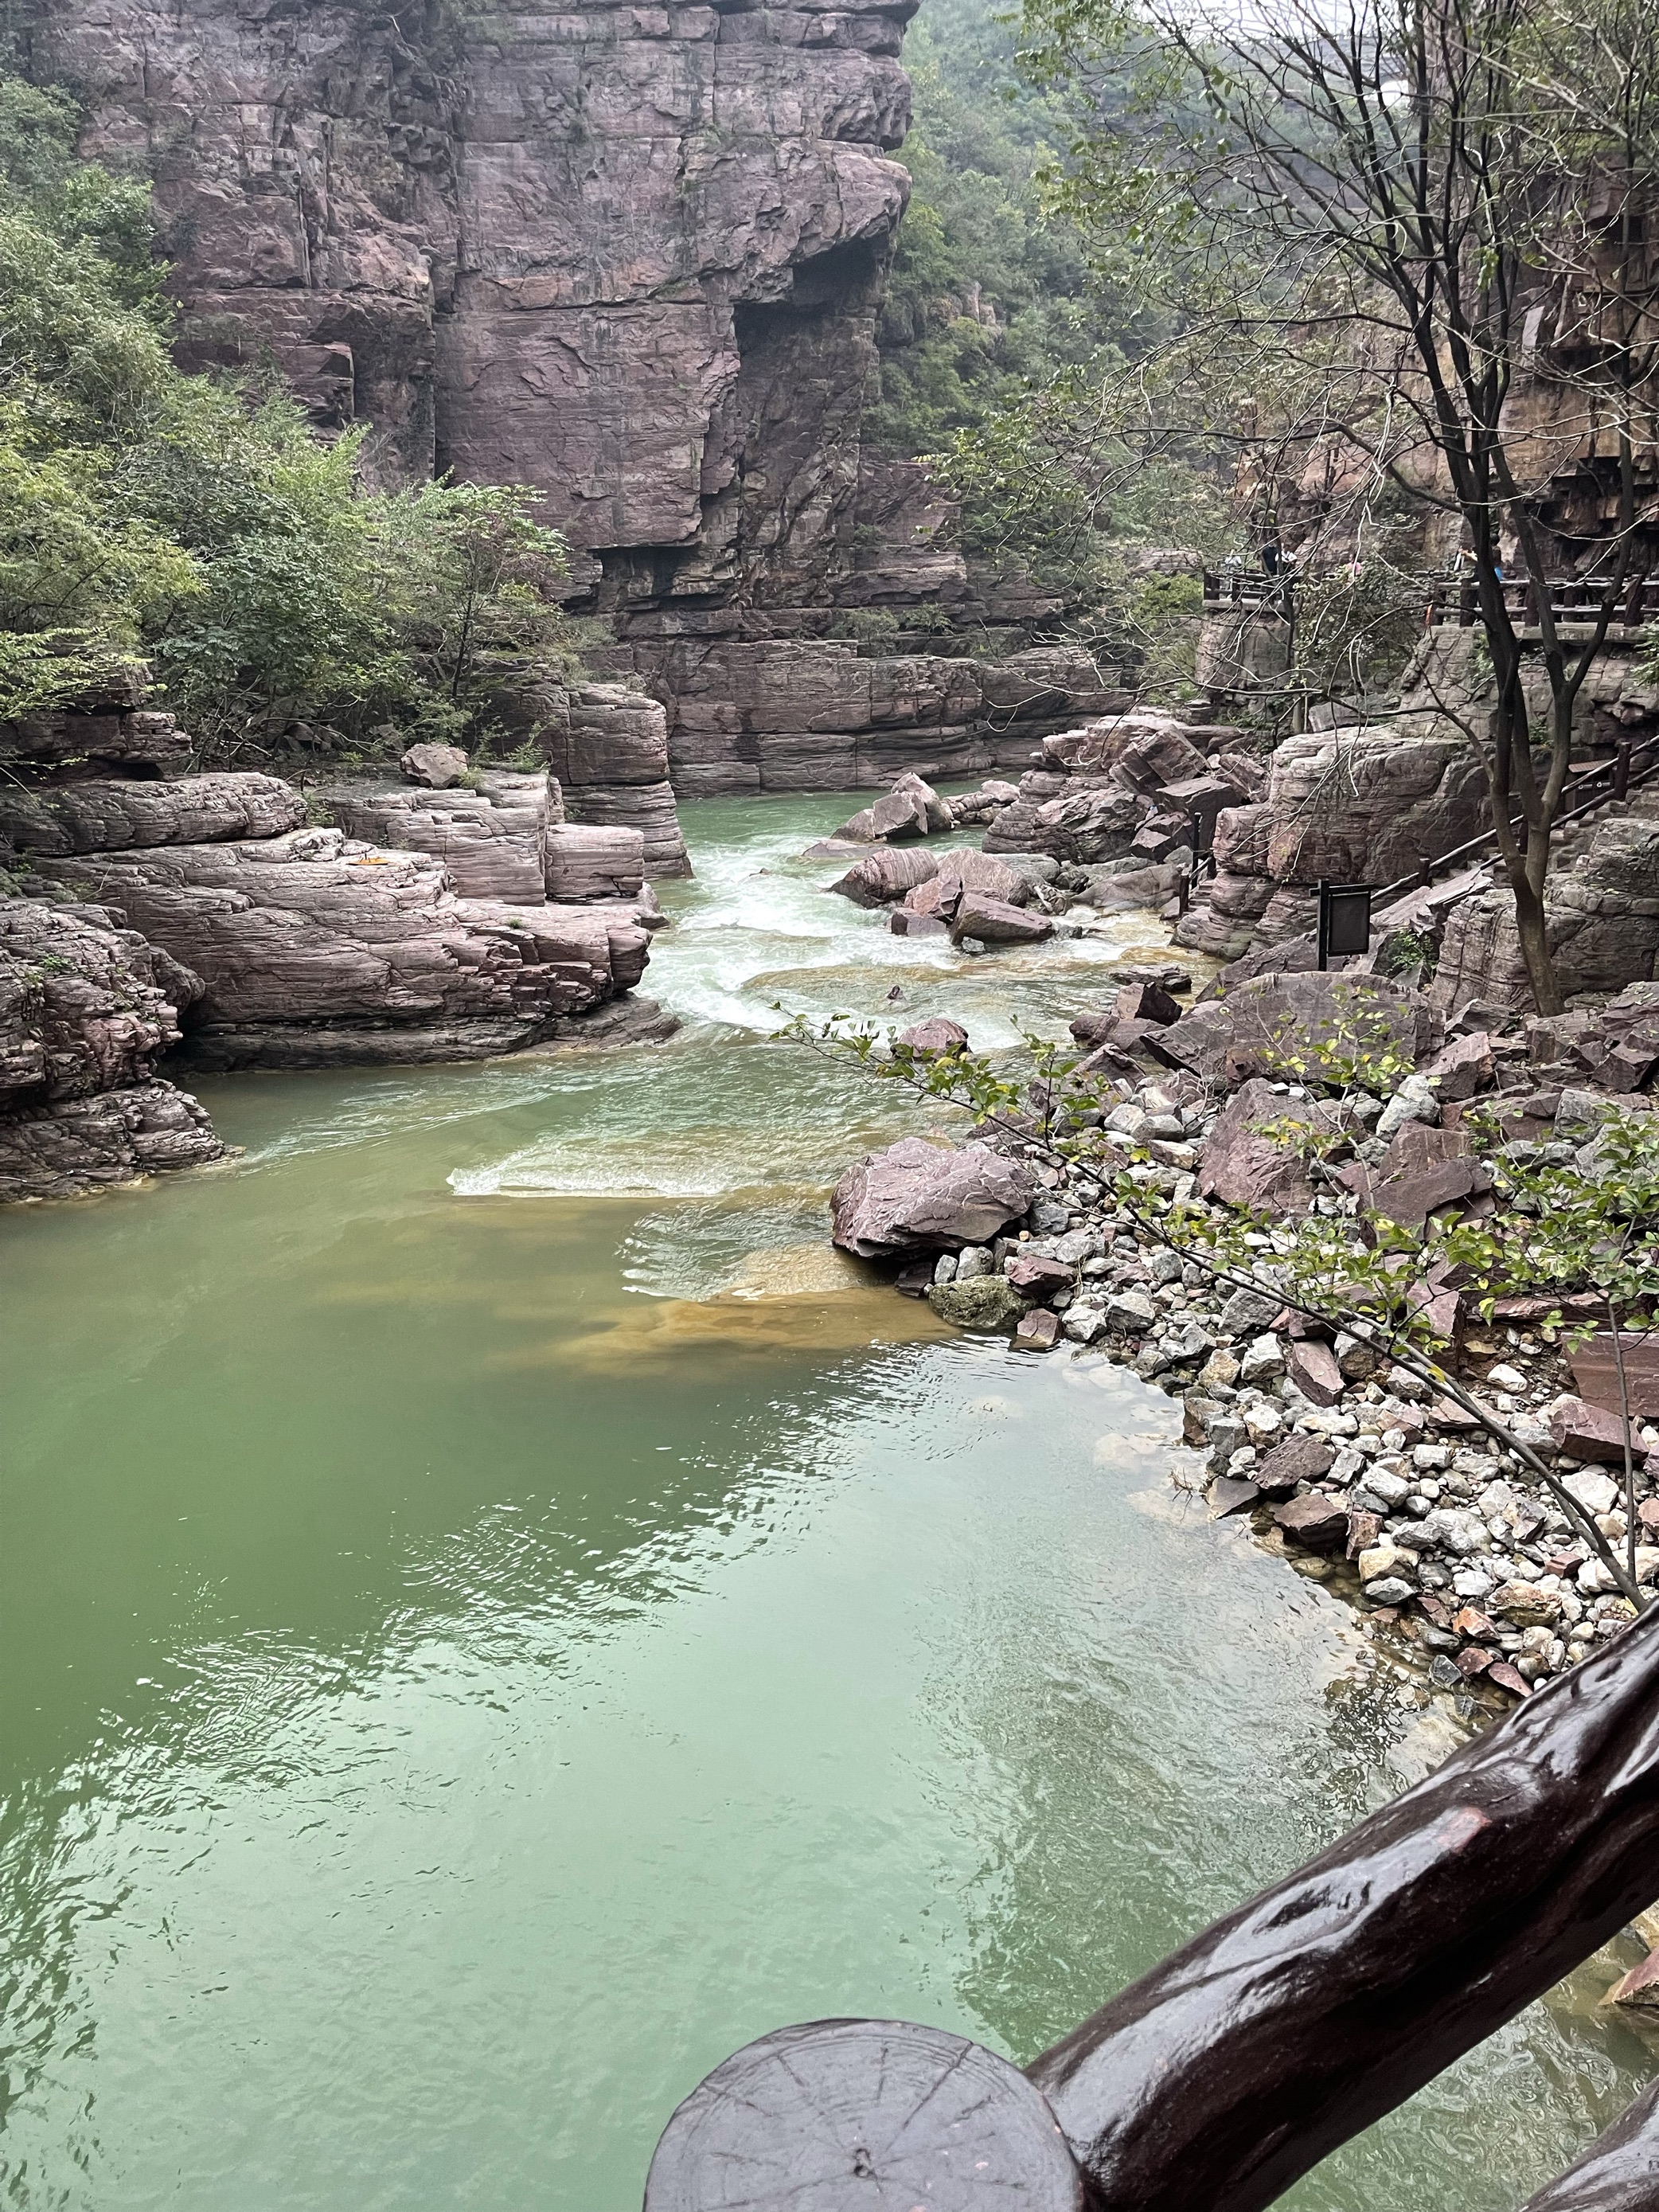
[(997, 328), (199, 524)]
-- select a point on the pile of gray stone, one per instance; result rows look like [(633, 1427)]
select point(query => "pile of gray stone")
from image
[(1369, 1478)]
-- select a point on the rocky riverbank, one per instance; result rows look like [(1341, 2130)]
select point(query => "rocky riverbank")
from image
[(231, 920), (1364, 1475)]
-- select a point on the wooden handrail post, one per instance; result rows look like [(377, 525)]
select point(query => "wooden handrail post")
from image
[(1227, 2072), (828, 2116), (1245, 2058), (1620, 2172)]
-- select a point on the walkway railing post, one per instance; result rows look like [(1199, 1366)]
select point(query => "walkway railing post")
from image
[(1226, 2073)]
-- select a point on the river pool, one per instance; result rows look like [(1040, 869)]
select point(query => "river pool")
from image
[(497, 1614)]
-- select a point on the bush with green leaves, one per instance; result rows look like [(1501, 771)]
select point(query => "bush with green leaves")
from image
[(199, 526), (995, 333)]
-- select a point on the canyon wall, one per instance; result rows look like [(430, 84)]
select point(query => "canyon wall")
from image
[(629, 254)]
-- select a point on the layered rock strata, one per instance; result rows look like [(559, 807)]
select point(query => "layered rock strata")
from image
[(631, 258), (1602, 917), (102, 814), (470, 920), (314, 949), (748, 715), (87, 1010), (491, 838), (1354, 805)]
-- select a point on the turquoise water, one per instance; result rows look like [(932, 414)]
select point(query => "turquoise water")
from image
[(495, 1615)]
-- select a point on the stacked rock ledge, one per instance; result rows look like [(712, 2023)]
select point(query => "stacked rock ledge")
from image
[(213, 919)]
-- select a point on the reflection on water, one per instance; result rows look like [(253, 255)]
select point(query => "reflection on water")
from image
[(495, 1615)]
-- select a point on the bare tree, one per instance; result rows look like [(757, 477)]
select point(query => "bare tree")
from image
[(1409, 234)]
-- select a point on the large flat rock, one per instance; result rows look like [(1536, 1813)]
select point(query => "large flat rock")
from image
[(316, 927)]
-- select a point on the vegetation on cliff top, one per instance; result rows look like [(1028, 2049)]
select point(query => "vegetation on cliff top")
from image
[(199, 524), (997, 327)]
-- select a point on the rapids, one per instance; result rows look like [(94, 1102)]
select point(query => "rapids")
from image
[(496, 1613)]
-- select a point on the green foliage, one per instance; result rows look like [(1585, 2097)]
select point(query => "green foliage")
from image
[(985, 288), (1358, 624), (997, 335), (199, 524)]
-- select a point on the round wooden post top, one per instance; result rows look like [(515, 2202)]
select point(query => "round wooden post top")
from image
[(864, 2116)]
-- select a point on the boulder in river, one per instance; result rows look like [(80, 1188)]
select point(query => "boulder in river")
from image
[(918, 1197), (937, 1034), (993, 922), (911, 809), (885, 877), (970, 871)]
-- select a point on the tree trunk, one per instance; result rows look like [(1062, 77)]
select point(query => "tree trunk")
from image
[(1533, 929)]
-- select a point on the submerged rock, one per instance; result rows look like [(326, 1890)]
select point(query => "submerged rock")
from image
[(983, 1302)]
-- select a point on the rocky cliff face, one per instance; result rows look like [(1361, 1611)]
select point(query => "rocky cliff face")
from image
[(87, 1008), (629, 254)]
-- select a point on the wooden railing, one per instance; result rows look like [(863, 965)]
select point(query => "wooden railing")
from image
[(1588, 789), (1573, 600), (1216, 2080), (1242, 587)]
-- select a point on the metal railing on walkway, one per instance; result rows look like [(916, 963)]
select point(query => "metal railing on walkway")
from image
[(1631, 766), (1572, 600), (1247, 588)]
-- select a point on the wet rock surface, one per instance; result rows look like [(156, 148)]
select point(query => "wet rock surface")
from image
[(87, 1011), (918, 1197)]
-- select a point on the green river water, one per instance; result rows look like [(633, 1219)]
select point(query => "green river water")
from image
[(495, 1615)]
